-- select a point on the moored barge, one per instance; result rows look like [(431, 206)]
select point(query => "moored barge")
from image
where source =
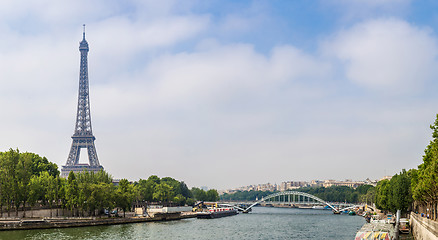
[(376, 231), (217, 213)]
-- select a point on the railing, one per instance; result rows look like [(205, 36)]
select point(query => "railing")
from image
[(422, 227)]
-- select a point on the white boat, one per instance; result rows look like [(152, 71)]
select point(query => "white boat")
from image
[(217, 212), (404, 226), (213, 210), (305, 207), (318, 207)]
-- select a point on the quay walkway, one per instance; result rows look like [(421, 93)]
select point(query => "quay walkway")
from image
[(65, 222)]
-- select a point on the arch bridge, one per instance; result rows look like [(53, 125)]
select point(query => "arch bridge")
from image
[(293, 197)]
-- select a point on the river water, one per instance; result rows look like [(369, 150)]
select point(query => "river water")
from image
[(261, 223)]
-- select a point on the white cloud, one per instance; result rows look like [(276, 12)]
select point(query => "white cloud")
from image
[(208, 101), (349, 11), (244, 19), (217, 75), (157, 109), (386, 54), (128, 36), (370, 3)]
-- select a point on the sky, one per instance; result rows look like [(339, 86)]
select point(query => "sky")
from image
[(225, 93)]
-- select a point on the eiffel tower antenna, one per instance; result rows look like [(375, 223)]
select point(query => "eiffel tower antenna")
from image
[(83, 136)]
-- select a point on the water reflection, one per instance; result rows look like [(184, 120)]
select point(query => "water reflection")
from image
[(262, 223)]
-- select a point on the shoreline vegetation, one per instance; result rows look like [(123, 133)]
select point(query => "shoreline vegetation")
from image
[(30, 184), (361, 194), (414, 190)]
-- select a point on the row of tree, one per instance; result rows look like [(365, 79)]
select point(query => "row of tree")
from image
[(395, 194), (363, 193), (342, 193), (425, 178), (416, 189), (169, 190), (30, 181), (18, 173)]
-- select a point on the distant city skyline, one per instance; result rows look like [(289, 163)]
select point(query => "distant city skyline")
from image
[(296, 184), (225, 93)]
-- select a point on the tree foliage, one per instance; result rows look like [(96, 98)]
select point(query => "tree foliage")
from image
[(419, 184), (383, 195), (424, 181), (201, 195), (330, 194), (125, 195), (169, 190), (28, 180)]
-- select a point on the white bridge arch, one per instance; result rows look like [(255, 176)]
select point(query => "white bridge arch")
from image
[(288, 193)]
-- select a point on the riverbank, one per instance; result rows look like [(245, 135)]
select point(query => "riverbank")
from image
[(261, 223), (66, 222), (423, 228)]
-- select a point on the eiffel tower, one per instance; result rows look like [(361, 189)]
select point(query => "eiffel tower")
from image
[(83, 135)]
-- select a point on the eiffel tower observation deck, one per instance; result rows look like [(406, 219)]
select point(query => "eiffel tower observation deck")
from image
[(83, 136)]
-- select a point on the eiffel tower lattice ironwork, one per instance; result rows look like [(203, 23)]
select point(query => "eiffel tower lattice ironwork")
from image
[(83, 136)]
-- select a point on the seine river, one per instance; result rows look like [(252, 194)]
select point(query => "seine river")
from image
[(261, 223)]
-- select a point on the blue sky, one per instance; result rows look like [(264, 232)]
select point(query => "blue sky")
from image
[(225, 93)]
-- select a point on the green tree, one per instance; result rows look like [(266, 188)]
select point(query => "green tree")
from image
[(184, 190), (212, 195), (62, 185), (190, 201), (50, 188), (101, 197), (142, 189), (72, 192), (369, 197), (11, 185), (124, 195), (401, 192), (146, 188), (36, 190), (163, 192), (86, 180), (175, 184), (43, 187), (363, 189), (425, 181), (89, 191), (199, 194), (3, 183), (102, 177), (24, 175), (383, 195), (179, 199), (41, 164), (107, 191)]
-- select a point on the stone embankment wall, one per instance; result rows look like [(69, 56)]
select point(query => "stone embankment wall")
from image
[(423, 228), (65, 222), (38, 213)]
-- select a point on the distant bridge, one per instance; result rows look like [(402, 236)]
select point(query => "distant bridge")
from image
[(293, 197)]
